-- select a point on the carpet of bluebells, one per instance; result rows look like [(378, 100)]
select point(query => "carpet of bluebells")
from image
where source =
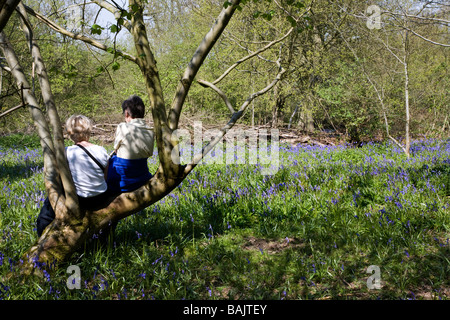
[(310, 231)]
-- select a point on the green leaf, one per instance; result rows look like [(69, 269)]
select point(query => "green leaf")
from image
[(292, 21), (114, 28), (96, 29), (135, 7), (115, 66), (227, 4), (125, 14)]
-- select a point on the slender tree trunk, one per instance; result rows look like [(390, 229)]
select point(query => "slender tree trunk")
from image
[(407, 123), (293, 115), (275, 107)]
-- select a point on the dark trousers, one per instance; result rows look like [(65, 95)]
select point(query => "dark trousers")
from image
[(47, 214)]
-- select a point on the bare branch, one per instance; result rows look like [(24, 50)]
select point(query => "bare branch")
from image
[(235, 117), (251, 56), (443, 21), (12, 109), (194, 65), (397, 143), (423, 38), (219, 92), (76, 36), (101, 63)]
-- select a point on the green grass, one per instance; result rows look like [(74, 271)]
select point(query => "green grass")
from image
[(228, 232)]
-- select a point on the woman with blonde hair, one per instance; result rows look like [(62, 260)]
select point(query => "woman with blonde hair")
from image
[(87, 164)]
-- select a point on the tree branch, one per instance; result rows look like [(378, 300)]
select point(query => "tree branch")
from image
[(7, 9), (235, 117), (423, 38), (116, 11), (194, 65), (12, 109), (77, 36), (443, 21), (219, 92), (251, 56)]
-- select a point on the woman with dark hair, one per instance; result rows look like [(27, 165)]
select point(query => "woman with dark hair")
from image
[(133, 145)]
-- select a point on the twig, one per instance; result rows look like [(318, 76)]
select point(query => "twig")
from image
[(251, 56), (219, 92), (104, 67), (234, 118), (77, 36), (12, 109)]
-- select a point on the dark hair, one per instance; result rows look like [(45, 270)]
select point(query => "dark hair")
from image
[(135, 106)]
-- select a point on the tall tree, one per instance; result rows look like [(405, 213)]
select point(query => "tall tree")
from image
[(72, 226)]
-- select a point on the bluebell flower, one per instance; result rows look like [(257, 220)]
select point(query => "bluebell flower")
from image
[(46, 275)]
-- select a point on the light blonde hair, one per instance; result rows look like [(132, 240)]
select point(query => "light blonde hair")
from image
[(79, 127)]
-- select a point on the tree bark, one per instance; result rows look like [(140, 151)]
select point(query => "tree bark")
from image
[(6, 9), (71, 229), (55, 122), (405, 65)]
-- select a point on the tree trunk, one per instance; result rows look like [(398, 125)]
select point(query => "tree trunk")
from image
[(6, 9), (306, 121), (407, 135), (72, 226), (275, 108), (71, 200), (292, 116)]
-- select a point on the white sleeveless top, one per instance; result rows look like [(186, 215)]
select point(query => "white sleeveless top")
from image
[(87, 176)]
